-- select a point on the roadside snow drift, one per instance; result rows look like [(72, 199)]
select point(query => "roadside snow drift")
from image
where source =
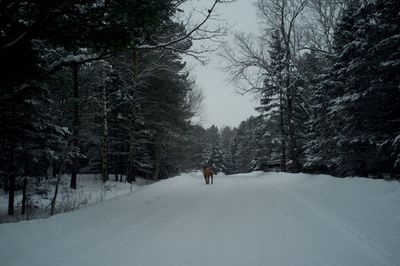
[(248, 219)]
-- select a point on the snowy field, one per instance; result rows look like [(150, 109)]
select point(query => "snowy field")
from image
[(248, 219)]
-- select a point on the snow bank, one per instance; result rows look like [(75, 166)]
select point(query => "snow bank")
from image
[(90, 190)]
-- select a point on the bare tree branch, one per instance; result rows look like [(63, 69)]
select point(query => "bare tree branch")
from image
[(188, 35), (13, 42)]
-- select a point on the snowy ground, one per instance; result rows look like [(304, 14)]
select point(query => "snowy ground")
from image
[(90, 190), (250, 219)]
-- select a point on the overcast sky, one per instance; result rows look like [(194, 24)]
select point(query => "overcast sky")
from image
[(222, 105)]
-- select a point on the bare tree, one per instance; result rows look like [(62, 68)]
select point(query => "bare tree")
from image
[(319, 21), (194, 102), (250, 61)]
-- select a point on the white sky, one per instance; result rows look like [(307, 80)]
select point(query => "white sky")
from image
[(222, 105)]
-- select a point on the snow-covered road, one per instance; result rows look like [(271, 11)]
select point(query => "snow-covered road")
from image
[(252, 219)]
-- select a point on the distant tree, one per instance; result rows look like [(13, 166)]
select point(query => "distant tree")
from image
[(216, 158), (244, 145), (213, 135), (227, 135), (194, 146)]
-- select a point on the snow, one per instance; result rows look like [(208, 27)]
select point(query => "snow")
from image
[(69, 59), (246, 219), (90, 190)]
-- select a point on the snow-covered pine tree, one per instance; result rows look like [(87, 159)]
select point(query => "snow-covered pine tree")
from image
[(246, 145), (358, 98), (272, 101), (193, 145), (383, 30), (30, 139), (317, 143), (213, 135), (349, 146), (216, 158), (227, 135), (396, 156), (266, 145)]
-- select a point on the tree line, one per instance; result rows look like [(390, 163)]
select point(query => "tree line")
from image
[(95, 86), (327, 76)]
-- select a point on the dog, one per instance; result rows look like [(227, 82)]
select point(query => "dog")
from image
[(208, 172)]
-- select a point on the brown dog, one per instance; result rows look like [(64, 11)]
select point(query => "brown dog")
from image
[(208, 172)]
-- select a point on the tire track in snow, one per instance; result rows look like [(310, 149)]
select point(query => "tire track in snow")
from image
[(294, 191)]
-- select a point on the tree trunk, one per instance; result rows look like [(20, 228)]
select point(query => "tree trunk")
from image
[(54, 199), (116, 177), (292, 139), (130, 176), (157, 161), (104, 146), (76, 122), (157, 158), (290, 91), (283, 141), (23, 207), (130, 172), (54, 172), (11, 193), (61, 169)]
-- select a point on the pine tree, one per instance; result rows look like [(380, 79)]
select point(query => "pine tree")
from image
[(30, 139), (216, 158), (317, 143), (272, 102), (358, 97), (245, 145), (227, 135)]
